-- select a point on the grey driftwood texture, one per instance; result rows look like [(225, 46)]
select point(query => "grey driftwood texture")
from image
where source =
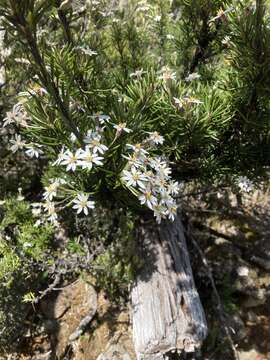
[(166, 310)]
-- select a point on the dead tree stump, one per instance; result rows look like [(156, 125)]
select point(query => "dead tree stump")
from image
[(166, 310)]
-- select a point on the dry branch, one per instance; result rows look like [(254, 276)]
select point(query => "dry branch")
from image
[(166, 310)]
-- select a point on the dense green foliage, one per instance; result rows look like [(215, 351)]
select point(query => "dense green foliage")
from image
[(23, 248), (214, 138)]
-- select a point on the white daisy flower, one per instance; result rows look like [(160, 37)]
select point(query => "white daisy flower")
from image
[(87, 51), (9, 119), (20, 115), (59, 181), (71, 159), (160, 183), (137, 148), (50, 191), (33, 151), (90, 135), (159, 212), (172, 211), (16, 112), (82, 203), (178, 103), (173, 187), (164, 171), (17, 143), (137, 74), (134, 177), (147, 198), (192, 76), (166, 199), (133, 160), (121, 127), (156, 138), (94, 143), (88, 158), (167, 74), (60, 157), (156, 163), (142, 159), (50, 208)]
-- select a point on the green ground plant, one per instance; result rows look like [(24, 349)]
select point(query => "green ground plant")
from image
[(23, 247)]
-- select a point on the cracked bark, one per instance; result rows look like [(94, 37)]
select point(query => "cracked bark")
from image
[(166, 310)]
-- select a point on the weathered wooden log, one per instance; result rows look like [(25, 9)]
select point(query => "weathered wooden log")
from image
[(166, 310)]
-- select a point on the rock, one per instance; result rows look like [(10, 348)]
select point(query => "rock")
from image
[(111, 328), (220, 241), (242, 271), (251, 317), (55, 308), (115, 352), (262, 262), (249, 355), (261, 255), (68, 312), (247, 285), (257, 300), (237, 326)]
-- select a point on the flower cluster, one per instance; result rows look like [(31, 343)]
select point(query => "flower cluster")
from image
[(80, 202), (18, 117), (245, 184), (31, 150), (85, 158), (149, 178), (44, 213)]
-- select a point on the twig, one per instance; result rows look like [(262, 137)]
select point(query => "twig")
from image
[(28, 33), (204, 191), (218, 300), (85, 321), (66, 27), (49, 289)]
